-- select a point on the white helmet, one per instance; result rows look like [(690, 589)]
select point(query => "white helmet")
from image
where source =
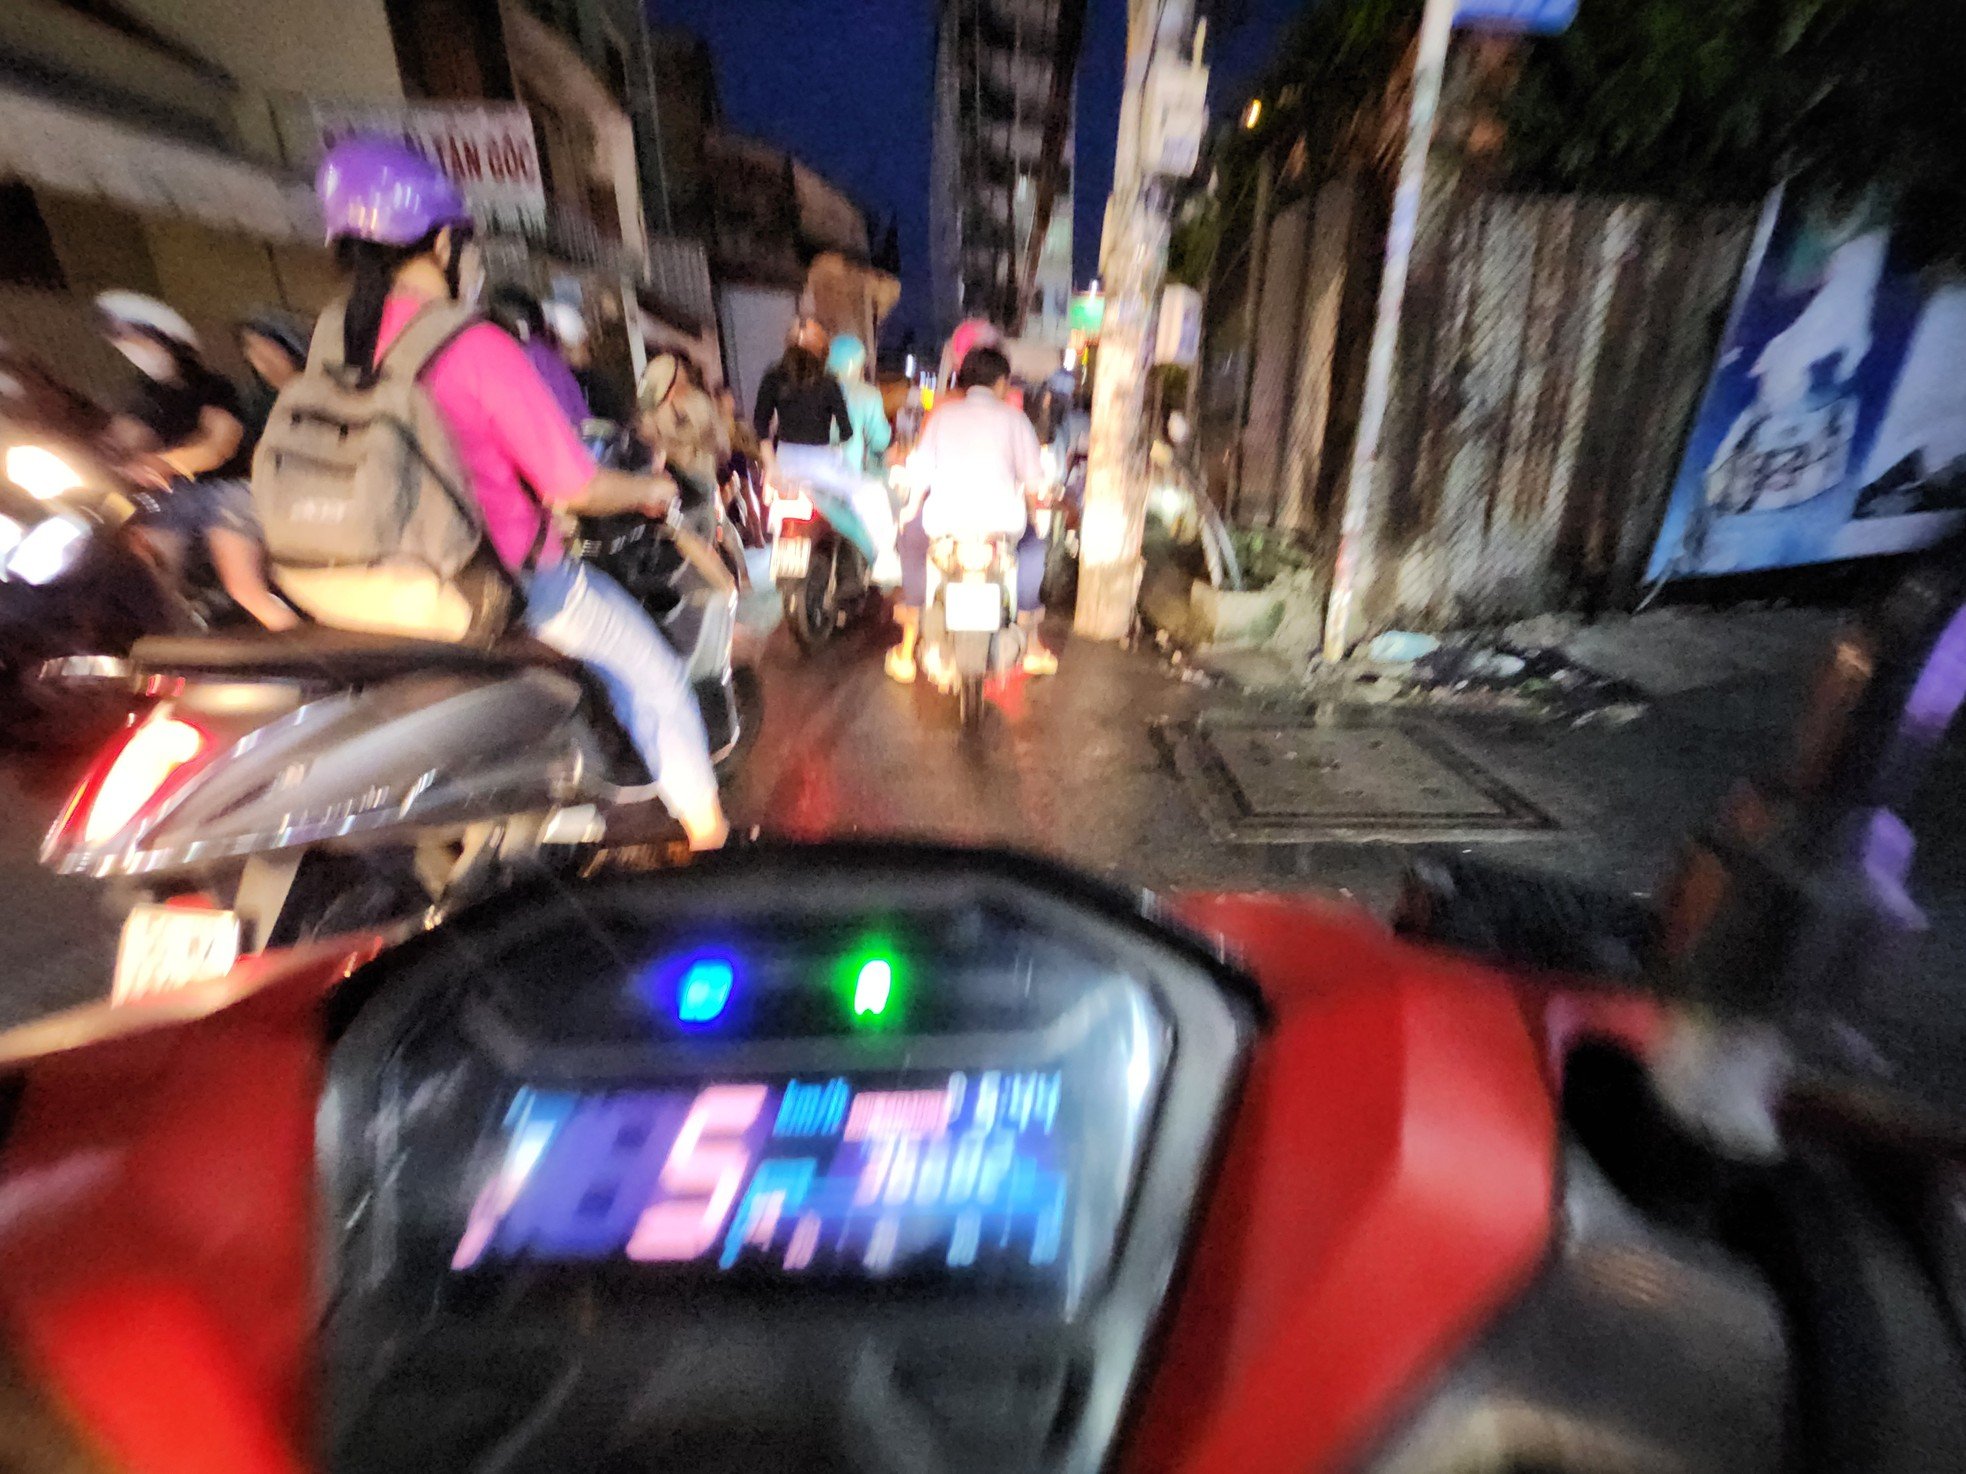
[(566, 322), (134, 310)]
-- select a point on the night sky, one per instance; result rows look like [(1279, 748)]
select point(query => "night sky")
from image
[(846, 86)]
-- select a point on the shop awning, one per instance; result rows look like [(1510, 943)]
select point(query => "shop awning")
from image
[(76, 152)]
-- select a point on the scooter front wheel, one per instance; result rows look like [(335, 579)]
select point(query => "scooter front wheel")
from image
[(969, 704)]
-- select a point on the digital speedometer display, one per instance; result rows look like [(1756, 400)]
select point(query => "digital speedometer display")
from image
[(822, 1158), (953, 1175)]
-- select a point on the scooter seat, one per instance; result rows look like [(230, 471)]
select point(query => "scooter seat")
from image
[(317, 654)]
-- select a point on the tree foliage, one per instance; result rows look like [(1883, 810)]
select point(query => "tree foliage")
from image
[(1688, 99), (1719, 99), (1692, 100)]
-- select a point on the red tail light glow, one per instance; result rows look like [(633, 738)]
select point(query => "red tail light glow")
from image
[(138, 774)]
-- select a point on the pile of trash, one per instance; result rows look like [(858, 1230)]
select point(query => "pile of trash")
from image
[(1479, 673)]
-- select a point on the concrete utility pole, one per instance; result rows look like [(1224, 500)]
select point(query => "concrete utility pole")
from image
[(1354, 569), (1134, 257), (1252, 301)]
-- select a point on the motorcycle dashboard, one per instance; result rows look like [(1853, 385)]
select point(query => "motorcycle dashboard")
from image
[(840, 1148)]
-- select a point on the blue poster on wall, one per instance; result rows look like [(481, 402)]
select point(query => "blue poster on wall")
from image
[(1835, 422)]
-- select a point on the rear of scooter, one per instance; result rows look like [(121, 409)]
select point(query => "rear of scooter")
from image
[(969, 621), (822, 577), (288, 789)]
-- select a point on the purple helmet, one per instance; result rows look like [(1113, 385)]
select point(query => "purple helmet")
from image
[(379, 189)]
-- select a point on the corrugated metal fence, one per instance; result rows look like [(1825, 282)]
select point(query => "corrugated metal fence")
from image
[(1552, 353)]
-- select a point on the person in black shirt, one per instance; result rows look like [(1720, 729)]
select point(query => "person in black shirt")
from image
[(802, 418), (181, 433), (609, 396), (799, 403), (180, 414)]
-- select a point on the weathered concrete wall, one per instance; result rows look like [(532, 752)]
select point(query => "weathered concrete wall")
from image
[(1552, 353)]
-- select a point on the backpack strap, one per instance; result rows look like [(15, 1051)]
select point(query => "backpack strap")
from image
[(491, 589), (324, 349), (425, 336)]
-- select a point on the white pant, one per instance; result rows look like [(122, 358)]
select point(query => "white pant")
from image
[(583, 613), (824, 469)]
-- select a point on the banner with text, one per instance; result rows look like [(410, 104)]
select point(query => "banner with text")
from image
[(487, 148), (1834, 425)]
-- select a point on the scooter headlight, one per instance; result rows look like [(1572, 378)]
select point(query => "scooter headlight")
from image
[(975, 554), (41, 473), (48, 550)]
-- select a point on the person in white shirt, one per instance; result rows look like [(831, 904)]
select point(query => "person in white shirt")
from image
[(977, 459)]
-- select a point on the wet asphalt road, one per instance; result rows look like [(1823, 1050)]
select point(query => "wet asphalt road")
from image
[(1069, 766), (59, 944)]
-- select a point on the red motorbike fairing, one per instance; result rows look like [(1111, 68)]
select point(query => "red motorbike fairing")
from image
[(156, 1218), (1387, 1187)]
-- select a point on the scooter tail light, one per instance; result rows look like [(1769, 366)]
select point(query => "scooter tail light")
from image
[(791, 510), (132, 778), (975, 555)]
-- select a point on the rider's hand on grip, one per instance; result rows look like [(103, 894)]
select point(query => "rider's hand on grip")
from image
[(662, 495)]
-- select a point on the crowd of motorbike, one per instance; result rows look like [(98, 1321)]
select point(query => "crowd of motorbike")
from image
[(258, 789), (827, 550)]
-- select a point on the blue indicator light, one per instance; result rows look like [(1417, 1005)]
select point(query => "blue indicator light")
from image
[(705, 991)]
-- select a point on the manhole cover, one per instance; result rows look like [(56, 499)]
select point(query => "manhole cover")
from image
[(1260, 782)]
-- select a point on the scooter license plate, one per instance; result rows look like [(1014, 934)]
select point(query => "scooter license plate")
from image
[(970, 608), (165, 948), (794, 508), (790, 556)]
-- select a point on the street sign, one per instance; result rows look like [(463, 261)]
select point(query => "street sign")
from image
[(487, 148), (1087, 314), (1538, 17)]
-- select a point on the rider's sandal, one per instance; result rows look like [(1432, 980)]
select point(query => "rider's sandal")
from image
[(1040, 662), (900, 666)]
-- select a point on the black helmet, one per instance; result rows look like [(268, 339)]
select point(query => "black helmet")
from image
[(277, 325)]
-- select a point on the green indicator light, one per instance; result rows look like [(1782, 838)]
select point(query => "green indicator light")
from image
[(871, 982), (872, 987)]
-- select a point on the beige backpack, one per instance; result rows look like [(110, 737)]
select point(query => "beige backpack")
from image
[(366, 508)]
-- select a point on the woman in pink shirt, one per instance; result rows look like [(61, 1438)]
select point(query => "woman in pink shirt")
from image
[(403, 234)]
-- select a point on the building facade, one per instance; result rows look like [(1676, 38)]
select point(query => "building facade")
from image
[(167, 146), (140, 148), (1001, 163), (784, 240)]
